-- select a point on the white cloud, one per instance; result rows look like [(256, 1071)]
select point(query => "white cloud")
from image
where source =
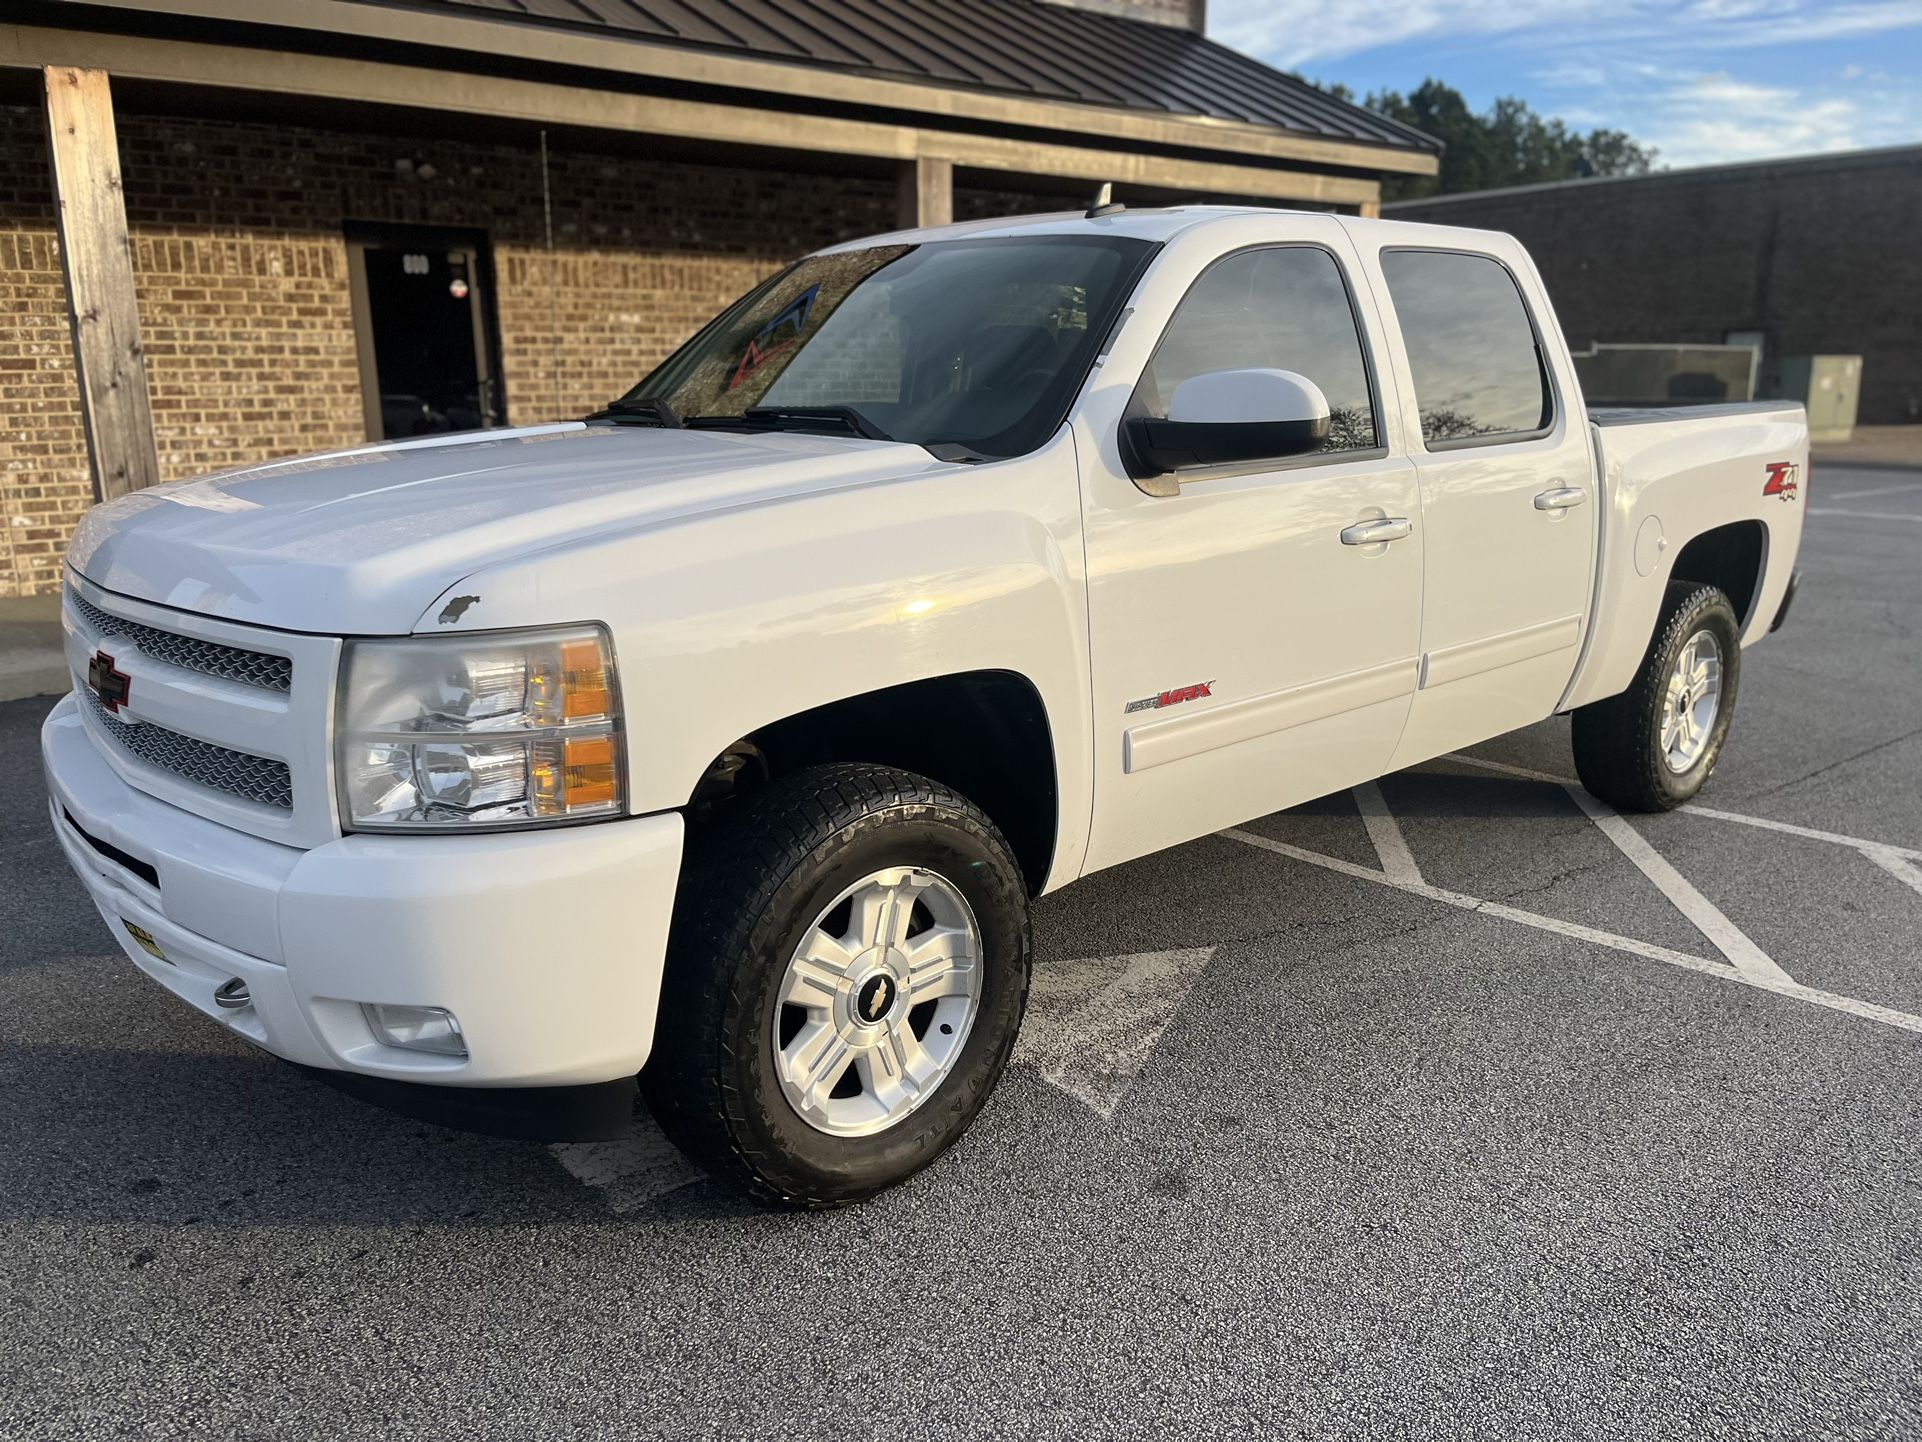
[(1295, 32), (1671, 74), (1706, 118)]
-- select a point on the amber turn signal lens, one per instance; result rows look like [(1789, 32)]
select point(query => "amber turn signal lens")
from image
[(588, 777), (584, 687)]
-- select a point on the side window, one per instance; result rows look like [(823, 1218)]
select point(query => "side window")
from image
[(1284, 308), (1477, 369)]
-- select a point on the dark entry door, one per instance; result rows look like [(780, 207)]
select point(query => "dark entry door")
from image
[(423, 314)]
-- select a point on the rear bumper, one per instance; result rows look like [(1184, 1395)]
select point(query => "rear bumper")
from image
[(547, 946)]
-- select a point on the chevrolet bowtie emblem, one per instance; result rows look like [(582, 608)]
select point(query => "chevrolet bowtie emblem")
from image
[(111, 686)]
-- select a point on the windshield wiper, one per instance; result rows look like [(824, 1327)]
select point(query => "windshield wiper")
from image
[(648, 412), (815, 418)]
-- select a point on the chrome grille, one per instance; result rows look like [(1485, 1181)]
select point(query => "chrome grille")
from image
[(252, 778), (210, 658)]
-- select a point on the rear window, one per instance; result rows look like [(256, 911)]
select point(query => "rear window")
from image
[(1471, 347)]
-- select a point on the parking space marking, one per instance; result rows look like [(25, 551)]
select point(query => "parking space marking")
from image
[(1853, 1006), (1093, 1023), (1873, 491), (1885, 857), (1385, 833), (1835, 838), (1863, 515), (1461, 900), (1704, 915), (639, 1168)]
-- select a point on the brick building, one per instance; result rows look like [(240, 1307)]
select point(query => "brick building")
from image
[(1811, 256), (235, 229)]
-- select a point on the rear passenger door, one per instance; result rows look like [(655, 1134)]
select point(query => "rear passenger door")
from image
[(1245, 656), (1507, 495)]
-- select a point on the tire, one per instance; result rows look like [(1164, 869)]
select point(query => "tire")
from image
[(728, 1076), (1621, 751)]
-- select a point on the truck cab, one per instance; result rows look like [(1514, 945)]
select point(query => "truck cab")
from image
[(724, 737)]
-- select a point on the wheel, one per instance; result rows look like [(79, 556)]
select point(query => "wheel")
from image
[(1652, 747), (846, 973)]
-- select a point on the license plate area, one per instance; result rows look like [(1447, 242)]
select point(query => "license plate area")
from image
[(143, 938)]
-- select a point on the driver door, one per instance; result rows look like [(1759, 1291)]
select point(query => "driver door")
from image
[(1245, 656)]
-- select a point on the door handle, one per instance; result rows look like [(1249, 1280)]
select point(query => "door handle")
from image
[(1560, 498), (1373, 533)]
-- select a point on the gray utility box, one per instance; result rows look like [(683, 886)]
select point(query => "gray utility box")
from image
[(1829, 385)]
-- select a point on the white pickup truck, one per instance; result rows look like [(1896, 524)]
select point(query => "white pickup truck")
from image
[(723, 738)]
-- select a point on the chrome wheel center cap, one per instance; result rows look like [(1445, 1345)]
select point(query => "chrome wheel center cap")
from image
[(875, 997)]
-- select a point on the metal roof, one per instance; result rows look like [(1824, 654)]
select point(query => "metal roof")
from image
[(1018, 47)]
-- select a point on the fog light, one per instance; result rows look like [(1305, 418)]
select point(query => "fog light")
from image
[(416, 1028)]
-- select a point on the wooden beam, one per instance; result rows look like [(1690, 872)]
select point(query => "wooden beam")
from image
[(927, 192), (290, 75), (98, 261), (463, 35)]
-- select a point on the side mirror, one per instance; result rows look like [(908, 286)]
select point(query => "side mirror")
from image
[(1221, 418)]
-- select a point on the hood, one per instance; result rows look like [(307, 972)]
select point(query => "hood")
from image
[(359, 542)]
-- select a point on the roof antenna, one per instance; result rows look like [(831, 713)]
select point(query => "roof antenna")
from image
[(1104, 202)]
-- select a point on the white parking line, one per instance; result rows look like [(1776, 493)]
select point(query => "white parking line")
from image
[(1853, 1006), (1633, 945), (1854, 843), (1728, 938), (1835, 838), (1873, 491), (1092, 1023), (639, 1168), (1385, 832), (1886, 858), (1863, 515), (1505, 769)]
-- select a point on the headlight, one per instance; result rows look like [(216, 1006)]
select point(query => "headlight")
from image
[(499, 730)]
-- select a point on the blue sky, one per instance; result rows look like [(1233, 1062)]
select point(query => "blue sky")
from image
[(1705, 81)]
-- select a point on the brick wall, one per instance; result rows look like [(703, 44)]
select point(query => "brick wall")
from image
[(45, 480), (241, 267), (1819, 254)]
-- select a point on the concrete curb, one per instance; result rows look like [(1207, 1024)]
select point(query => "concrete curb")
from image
[(32, 662), (50, 680)]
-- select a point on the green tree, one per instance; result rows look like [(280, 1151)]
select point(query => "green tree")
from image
[(1507, 144)]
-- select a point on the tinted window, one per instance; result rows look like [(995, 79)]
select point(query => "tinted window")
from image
[(975, 343), (1470, 346), (1278, 309)]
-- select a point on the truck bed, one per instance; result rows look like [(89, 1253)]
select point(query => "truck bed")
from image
[(1670, 475), (1648, 415)]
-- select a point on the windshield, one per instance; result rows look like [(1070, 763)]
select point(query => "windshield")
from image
[(978, 345)]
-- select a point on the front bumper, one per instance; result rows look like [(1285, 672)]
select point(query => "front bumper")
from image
[(546, 945)]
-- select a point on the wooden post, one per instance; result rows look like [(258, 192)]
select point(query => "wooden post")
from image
[(98, 260), (1369, 210), (927, 192)]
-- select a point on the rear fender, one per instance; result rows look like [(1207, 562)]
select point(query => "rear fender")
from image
[(1669, 479)]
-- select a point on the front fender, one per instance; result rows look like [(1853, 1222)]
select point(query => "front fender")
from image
[(728, 621)]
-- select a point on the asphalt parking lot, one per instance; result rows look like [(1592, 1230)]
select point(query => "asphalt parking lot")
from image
[(1443, 1108)]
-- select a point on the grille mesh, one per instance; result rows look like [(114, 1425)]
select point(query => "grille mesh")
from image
[(210, 658), (252, 778)]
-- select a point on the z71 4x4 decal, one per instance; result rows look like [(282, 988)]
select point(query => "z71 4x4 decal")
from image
[(1782, 480)]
